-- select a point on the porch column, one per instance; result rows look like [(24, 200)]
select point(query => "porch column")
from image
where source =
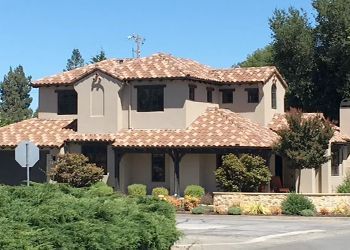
[(117, 158), (176, 156)]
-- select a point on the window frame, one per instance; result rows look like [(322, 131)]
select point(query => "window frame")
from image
[(226, 92), (156, 177), (210, 91), (64, 108), (253, 95), (153, 106), (192, 92), (274, 96)]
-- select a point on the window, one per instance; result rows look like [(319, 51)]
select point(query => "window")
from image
[(97, 153), (273, 96), (337, 159), (67, 102), (227, 95), (191, 92), (150, 98), (210, 94), (158, 168), (253, 95)]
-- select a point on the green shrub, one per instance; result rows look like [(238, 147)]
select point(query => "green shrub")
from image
[(198, 210), (234, 211), (345, 186), (137, 190), (160, 191), (75, 170), (194, 191), (295, 203), (307, 212), (62, 217), (101, 189)]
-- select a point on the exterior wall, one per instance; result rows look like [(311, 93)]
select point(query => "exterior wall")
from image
[(99, 105), (222, 201), (345, 119), (207, 165), (48, 103), (280, 93)]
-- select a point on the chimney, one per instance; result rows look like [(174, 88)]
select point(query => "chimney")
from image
[(345, 116)]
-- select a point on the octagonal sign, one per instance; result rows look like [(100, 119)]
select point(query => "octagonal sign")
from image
[(27, 154)]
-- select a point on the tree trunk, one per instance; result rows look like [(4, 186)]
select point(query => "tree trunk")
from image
[(298, 190)]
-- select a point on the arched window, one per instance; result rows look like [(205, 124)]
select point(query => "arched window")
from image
[(273, 96)]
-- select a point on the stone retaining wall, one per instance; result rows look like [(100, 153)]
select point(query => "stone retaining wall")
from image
[(224, 200)]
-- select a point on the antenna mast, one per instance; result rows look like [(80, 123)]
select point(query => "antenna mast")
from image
[(139, 41)]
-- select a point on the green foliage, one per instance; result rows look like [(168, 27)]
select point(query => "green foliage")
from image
[(234, 211), (345, 186), (15, 98), (99, 57), (245, 173), (61, 217), (260, 57), (207, 199), (75, 61), (137, 190), (194, 191), (295, 203), (305, 141), (307, 212), (160, 191), (75, 170), (198, 210)]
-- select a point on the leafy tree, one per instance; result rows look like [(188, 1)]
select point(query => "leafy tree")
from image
[(15, 98), (293, 54), (260, 57), (75, 61), (246, 173), (99, 57), (304, 141)]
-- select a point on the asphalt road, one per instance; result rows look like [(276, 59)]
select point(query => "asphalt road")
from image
[(263, 232)]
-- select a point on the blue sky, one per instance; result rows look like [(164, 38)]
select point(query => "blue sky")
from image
[(40, 35)]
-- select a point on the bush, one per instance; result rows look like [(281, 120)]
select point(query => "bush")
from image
[(62, 217), (190, 202), (244, 174), (137, 190), (75, 170), (275, 210), (160, 191), (198, 210), (256, 209), (307, 212), (207, 199), (234, 211), (345, 186), (194, 191), (295, 203)]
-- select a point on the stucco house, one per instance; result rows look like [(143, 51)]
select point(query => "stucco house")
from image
[(162, 121)]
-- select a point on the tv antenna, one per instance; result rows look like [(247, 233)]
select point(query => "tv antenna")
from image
[(139, 40)]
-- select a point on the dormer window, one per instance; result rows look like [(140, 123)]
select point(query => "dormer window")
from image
[(210, 94), (150, 98), (191, 92), (253, 95), (273, 96), (67, 102)]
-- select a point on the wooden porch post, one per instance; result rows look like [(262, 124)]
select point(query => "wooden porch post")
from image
[(176, 157)]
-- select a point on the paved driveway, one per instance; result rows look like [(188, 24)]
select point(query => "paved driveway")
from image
[(265, 232)]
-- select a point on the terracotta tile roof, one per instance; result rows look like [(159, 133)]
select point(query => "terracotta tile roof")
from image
[(279, 122), (162, 66), (44, 133), (215, 128)]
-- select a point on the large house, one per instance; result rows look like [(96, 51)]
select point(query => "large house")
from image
[(162, 121)]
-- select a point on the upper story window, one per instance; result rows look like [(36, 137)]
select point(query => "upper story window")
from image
[(158, 167), (67, 102), (227, 95), (210, 94), (150, 98), (191, 92), (273, 96), (253, 95)]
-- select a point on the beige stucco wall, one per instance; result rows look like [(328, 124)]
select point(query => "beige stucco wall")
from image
[(207, 165), (345, 120)]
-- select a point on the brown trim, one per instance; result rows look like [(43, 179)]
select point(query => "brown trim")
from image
[(210, 89), (191, 85), (228, 89), (150, 86)]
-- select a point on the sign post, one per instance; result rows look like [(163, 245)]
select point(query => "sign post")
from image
[(27, 154)]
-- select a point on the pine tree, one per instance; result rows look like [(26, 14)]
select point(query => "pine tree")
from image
[(99, 57), (75, 61), (15, 98)]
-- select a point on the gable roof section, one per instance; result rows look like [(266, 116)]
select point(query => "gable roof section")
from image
[(163, 66), (279, 122)]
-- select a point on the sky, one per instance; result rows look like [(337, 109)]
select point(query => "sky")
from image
[(40, 35)]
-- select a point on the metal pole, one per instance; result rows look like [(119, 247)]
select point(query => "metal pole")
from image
[(27, 165)]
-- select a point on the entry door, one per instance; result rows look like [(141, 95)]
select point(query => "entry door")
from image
[(279, 167), (97, 153)]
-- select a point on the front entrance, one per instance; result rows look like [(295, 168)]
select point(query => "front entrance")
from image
[(279, 167), (97, 153)]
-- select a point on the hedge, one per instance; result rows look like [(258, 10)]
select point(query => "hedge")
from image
[(56, 216)]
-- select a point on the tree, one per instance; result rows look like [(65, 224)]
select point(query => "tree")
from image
[(99, 57), (15, 97), (293, 54), (245, 173), (75, 61), (260, 57), (304, 141)]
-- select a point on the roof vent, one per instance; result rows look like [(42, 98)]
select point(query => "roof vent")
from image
[(345, 103)]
